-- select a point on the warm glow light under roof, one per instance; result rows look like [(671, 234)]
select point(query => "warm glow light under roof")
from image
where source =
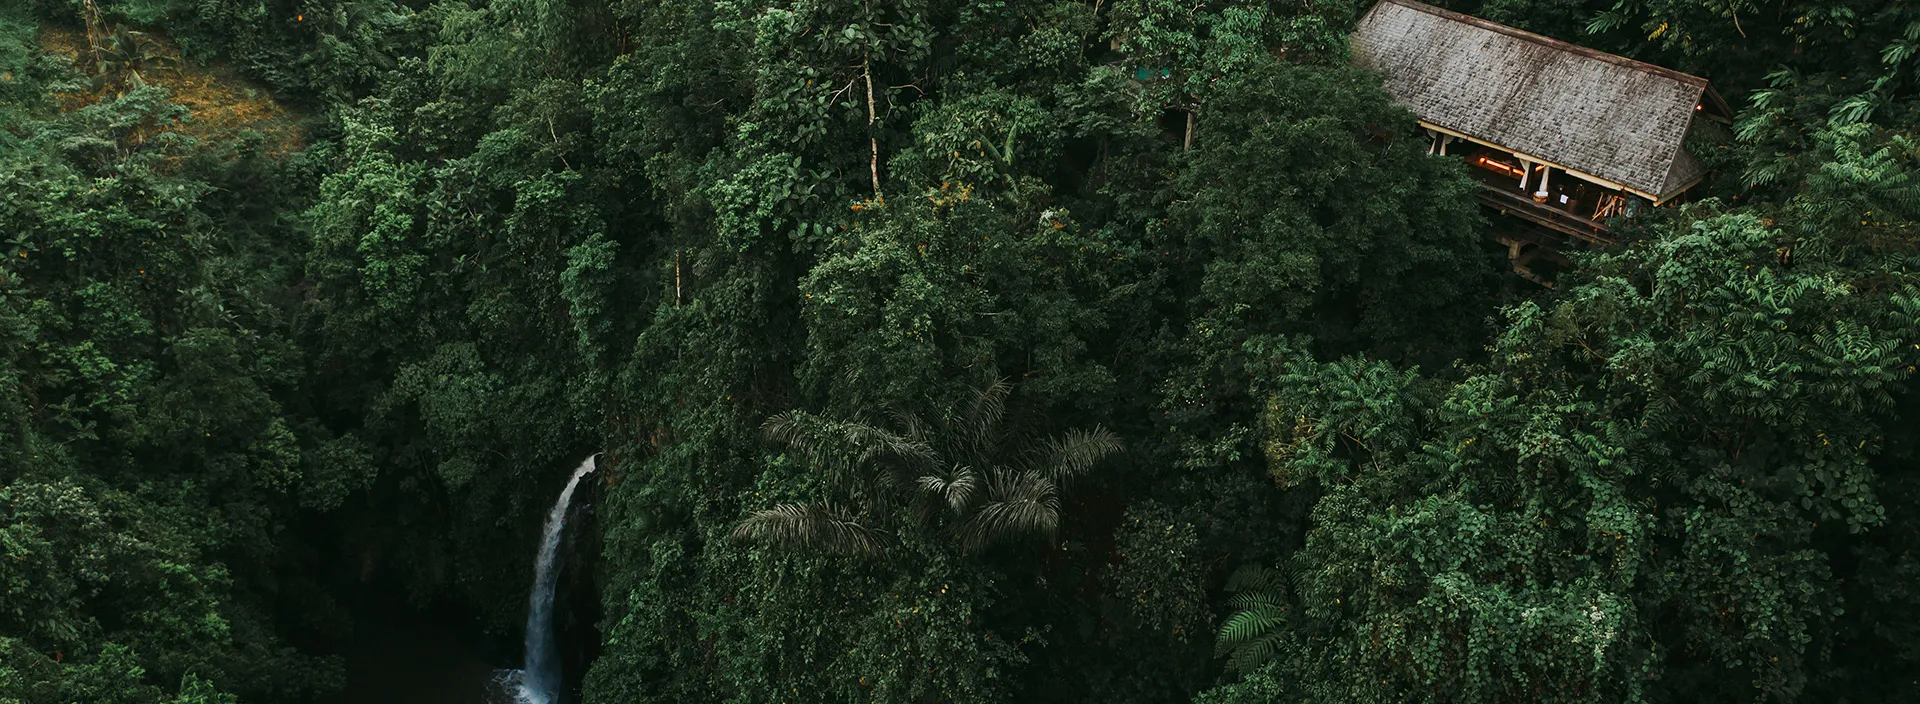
[(1499, 166)]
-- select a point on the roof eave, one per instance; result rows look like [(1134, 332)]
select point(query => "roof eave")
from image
[(1682, 188), (1717, 108), (1603, 182)]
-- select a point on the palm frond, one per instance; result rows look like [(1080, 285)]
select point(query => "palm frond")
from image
[(818, 438), (797, 429), (809, 526), (1074, 452), (1019, 503), (908, 422), (873, 442), (980, 428), (955, 489)]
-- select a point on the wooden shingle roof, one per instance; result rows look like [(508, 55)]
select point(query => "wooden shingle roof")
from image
[(1607, 117)]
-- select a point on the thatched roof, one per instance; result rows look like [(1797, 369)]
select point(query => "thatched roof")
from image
[(1606, 117)]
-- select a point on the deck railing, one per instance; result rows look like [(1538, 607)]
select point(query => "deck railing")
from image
[(1544, 215)]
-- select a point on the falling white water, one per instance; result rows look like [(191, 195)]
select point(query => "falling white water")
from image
[(539, 683)]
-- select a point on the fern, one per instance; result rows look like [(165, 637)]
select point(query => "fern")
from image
[(1252, 635)]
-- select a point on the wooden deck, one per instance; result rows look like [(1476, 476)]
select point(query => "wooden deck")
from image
[(1510, 202)]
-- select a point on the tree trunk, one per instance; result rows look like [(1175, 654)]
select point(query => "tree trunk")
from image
[(873, 141)]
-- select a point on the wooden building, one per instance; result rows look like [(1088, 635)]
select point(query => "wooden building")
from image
[(1560, 136)]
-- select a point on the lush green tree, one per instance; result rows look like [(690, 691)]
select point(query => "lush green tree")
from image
[(149, 461), (767, 255), (1648, 492)]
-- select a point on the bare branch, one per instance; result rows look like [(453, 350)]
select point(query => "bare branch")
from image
[(873, 165)]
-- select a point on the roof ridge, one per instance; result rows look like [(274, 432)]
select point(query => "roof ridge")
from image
[(1550, 42)]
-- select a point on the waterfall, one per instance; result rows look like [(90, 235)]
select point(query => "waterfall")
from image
[(539, 682)]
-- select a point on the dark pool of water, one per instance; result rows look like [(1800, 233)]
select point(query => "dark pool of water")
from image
[(398, 657)]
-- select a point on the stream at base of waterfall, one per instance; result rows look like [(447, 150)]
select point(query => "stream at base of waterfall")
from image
[(539, 681)]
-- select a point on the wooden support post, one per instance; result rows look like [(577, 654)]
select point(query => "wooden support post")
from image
[(1526, 173), (1444, 139), (1546, 174)]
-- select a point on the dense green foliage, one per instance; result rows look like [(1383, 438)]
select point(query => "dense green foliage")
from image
[(979, 351)]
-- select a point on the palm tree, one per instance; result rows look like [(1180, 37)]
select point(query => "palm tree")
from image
[(961, 472)]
